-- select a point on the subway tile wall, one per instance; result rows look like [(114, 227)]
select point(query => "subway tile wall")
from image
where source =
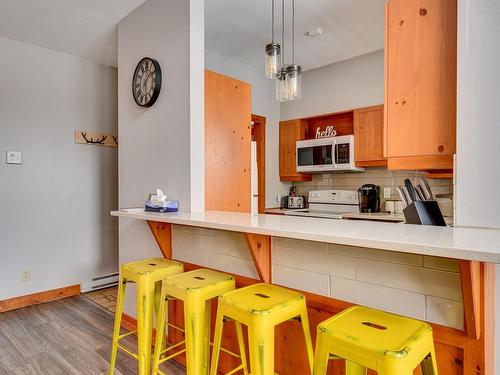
[(423, 287), (378, 176)]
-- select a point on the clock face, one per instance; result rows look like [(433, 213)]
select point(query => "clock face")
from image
[(146, 83)]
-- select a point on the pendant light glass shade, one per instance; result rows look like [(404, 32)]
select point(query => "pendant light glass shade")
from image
[(281, 93), (293, 82), (273, 53)]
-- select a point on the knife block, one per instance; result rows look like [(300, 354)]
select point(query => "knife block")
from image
[(424, 213)]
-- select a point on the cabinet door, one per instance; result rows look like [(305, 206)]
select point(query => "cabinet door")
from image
[(291, 132), (227, 143), (368, 133), (421, 53)]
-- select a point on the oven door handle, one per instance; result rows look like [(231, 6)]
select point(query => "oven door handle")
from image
[(335, 154)]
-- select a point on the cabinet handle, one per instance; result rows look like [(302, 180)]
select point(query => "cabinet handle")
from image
[(441, 148), (423, 11), (401, 23)]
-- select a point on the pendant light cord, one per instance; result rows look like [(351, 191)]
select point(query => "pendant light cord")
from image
[(293, 31), (283, 32), (272, 21)]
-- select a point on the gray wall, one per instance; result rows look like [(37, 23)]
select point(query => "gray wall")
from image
[(478, 123), (354, 83), (55, 207), (156, 146)]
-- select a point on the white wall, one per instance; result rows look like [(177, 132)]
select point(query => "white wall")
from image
[(55, 207), (478, 123), (156, 147), (264, 104), (354, 83)]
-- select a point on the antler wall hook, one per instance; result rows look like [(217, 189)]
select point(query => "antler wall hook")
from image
[(95, 138), (99, 140)]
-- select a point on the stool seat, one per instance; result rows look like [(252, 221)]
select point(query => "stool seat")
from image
[(369, 338), (155, 268), (209, 283), (261, 299)]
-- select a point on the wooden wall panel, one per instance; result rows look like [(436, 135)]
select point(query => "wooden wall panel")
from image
[(227, 143)]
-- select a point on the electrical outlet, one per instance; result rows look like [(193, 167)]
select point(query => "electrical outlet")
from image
[(14, 157), (387, 193), (26, 275)]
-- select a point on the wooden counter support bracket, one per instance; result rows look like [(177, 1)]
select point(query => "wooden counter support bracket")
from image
[(470, 273), (260, 248), (163, 235)]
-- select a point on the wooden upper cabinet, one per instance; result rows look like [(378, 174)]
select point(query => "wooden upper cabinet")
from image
[(369, 136), (420, 75), (291, 132), (227, 143)]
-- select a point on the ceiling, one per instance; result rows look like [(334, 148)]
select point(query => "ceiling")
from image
[(240, 29), (84, 28)]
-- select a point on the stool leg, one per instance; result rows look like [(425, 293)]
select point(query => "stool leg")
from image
[(429, 365), (219, 326), (206, 336), (352, 368), (145, 306), (194, 318), (160, 327), (307, 335), (261, 341), (241, 345), (321, 357), (118, 319)]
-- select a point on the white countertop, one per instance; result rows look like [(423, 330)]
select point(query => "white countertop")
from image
[(458, 243)]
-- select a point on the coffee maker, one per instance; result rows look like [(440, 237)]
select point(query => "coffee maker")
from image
[(369, 198)]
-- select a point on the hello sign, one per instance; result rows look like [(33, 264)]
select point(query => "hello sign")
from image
[(329, 132)]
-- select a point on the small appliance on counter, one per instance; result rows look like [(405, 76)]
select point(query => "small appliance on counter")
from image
[(159, 203), (419, 206), (369, 198), (329, 204), (292, 200)]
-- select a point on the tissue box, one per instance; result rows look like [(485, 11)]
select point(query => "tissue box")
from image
[(166, 206)]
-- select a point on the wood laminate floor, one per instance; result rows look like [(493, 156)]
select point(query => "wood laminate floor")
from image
[(69, 336)]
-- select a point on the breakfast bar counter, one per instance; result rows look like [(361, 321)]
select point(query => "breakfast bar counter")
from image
[(464, 348), (458, 243)]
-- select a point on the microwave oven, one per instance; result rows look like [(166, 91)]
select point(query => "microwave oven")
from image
[(334, 154)]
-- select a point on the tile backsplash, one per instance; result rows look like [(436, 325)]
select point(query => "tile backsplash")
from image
[(378, 176)]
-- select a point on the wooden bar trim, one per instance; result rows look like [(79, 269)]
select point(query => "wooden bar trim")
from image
[(470, 274), (38, 298), (162, 232), (259, 246)]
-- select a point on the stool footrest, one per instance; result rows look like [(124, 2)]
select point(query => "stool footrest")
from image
[(175, 327), (169, 357), (128, 351), (234, 370), (126, 334)]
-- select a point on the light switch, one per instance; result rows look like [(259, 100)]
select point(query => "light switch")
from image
[(14, 157)]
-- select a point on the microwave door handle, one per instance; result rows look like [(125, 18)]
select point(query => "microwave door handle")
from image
[(335, 154)]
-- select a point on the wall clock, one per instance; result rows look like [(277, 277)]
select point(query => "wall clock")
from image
[(146, 83)]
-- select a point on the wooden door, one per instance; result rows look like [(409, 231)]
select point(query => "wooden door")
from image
[(291, 132), (259, 136), (421, 55), (368, 133), (227, 143)]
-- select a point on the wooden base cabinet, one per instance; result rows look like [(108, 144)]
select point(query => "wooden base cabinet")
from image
[(369, 137), (420, 84), (291, 132)]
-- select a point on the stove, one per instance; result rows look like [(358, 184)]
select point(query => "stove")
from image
[(330, 204)]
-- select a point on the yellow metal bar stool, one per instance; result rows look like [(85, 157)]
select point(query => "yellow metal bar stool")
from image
[(195, 289), (372, 339), (261, 307), (147, 275)]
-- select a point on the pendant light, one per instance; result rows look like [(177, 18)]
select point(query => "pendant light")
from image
[(293, 79), (281, 92), (273, 52)]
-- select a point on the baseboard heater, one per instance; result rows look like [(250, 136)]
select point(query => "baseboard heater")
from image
[(99, 282)]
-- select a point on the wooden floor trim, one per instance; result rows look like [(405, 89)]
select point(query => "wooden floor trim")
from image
[(37, 298)]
